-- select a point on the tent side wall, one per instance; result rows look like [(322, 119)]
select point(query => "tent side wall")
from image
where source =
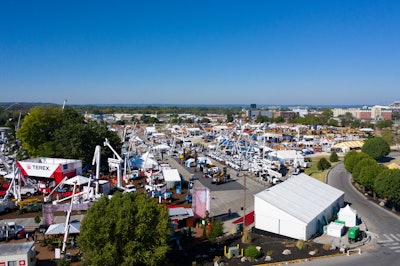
[(323, 218), (271, 219)]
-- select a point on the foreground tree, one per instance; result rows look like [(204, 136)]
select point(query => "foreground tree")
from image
[(376, 147), (387, 184), (128, 229)]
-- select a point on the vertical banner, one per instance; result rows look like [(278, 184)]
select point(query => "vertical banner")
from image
[(48, 216), (201, 202)]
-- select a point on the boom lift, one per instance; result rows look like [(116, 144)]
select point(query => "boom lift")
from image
[(115, 162), (67, 220)]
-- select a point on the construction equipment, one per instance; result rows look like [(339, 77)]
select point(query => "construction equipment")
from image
[(115, 163)]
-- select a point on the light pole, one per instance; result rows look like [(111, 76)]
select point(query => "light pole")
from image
[(244, 202)]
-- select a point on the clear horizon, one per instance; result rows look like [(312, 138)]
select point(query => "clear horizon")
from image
[(277, 52)]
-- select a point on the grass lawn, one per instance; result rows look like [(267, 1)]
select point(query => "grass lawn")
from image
[(313, 170)]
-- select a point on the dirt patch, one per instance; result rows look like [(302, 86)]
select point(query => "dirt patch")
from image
[(204, 252)]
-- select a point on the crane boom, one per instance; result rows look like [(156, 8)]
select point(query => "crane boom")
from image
[(115, 162)]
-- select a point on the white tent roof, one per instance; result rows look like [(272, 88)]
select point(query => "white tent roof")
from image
[(180, 213), (80, 180), (301, 196), (204, 160), (58, 229), (171, 175), (161, 147)]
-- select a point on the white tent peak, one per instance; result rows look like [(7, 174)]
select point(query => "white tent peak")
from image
[(80, 180)]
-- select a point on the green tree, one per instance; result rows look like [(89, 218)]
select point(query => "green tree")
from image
[(327, 114), (368, 175), (387, 184), (333, 157), (216, 230), (333, 122), (323, 164), (352, 158), (376, 147), (384, 124), (128, 229), (346, 119), (360, 165), (37, 130), (388, 136), (260, 119)]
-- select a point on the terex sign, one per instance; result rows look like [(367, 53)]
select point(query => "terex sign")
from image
[(41, 170), (50, 168)]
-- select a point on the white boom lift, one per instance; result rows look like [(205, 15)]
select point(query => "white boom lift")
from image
[(115, 162), (68, 218)]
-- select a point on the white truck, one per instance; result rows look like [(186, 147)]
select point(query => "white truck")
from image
[(27, 191)]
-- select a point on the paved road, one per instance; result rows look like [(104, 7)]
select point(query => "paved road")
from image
[(231, 195), (383, 225)]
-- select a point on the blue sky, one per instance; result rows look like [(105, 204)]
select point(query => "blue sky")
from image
[(200, 52)]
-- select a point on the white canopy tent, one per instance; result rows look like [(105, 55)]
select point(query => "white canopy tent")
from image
[(171, 176), (80, 180), (162, 147), (59, 229), (348, 216), (145, 161)]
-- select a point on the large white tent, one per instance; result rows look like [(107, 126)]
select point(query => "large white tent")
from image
[(297, 208)]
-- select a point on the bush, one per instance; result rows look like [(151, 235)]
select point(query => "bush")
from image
[(216, 230), (300, 244), (323, 164), (252, 252), (334, 157)]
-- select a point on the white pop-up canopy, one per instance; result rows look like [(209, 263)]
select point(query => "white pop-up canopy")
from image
[(79, 180), (58, 229), (171, 176)]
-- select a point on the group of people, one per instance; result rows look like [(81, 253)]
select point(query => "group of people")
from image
[(32, 236)]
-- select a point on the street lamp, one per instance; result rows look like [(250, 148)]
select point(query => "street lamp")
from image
[(244, 202)]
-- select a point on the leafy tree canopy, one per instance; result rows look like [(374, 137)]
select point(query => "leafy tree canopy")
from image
[(128, 229), (37, 129), (49, 131), (352, 158), (369, 173), (387, 184), (376, 147), (364, 162)]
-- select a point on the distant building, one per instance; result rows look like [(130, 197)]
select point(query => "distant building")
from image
[(366, 113)]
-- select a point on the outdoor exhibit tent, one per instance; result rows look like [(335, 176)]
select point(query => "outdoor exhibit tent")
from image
[(79, 180), (171, 177), (58, 229), (297, 208), (348, 216)]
